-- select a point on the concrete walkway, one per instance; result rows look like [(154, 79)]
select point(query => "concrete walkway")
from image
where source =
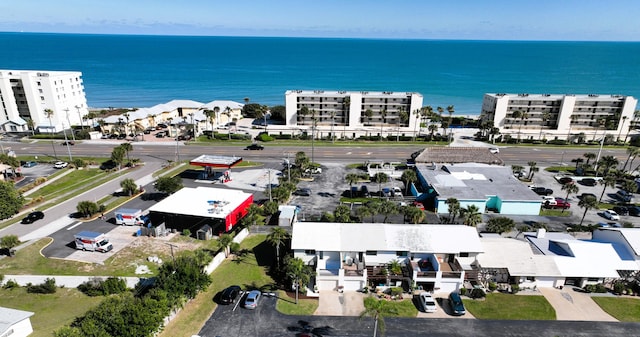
[(333, 303), (572, 305), (66, 281)]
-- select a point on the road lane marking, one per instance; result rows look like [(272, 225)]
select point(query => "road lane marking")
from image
[(74, 226)]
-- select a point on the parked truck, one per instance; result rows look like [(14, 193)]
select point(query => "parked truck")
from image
[(130, 217), (93, 241)]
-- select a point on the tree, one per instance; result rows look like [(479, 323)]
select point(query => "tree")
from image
[(377, 309), (227, 112), (533, 168), (10, 200), (570, 188), (270, 208), (49, 113), (87, 208), (383, 119), (454, 208), (514, 116), (129, 186), (342, 213), (606, 181), (471, 216), (298, 271), (545, 117), (414, 214), (629, 186), (500, 225), (168, 185), (374, 207), (117, 156), (516, 169), (380, 178), (387, 208), (589, 156), (408, 177), (523, 116), (351, 179), (363, 212), (224, 241), (587, 203), (606, 163), (9, 241), (632, 153), (252, 216), (277, 238)]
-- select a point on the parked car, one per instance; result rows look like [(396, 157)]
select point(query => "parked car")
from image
[(161, 126), (624, 195), (562, 203), (419, 205), (386, 192), (634, 210), (397, 192), (589, 182), (305, 192), (621, 210), (254, 146), (427, 302), (122, 136), (160, 134), (584, 195), (229, 294), (494, 150), (549, 201), (611, 214), (29, 164), (565, 180), (542, 190), (364, 191), (253, 297), (32, 217), (457, 307), (60, 165)]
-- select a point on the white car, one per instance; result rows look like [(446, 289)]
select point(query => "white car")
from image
[(397, 192), (549, 200), (60, 165), (611, 215), (494, 150), (427, 302)]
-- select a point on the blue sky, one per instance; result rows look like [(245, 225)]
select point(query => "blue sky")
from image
[(464, 19)]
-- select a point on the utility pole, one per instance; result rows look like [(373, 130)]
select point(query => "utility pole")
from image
[(269, 184), (68, 121), (66, 141)]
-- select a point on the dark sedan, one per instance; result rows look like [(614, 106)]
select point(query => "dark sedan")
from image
[(589, 182), (254, 147), (565, 180), (542, 190), (33, 217), (230, 294), (622, 210)]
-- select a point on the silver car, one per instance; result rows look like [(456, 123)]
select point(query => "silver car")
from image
[(251, 302), (427, 302)]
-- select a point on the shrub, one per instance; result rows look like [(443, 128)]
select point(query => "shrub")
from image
[(515, 288), (186, 232), (619, 288), (48, 287), (79, 163), (264, 137), (493, 286), (10, 284), (396, 291), (234, 248), (463, 291), (477, 293)]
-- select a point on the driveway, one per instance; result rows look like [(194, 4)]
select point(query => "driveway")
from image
[(333, 303), (571, 305)]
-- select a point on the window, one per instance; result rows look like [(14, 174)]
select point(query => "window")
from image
[(39, 84), (372, 252), (321, 255), (464, 254), (42, 98), (531, 278), (399, 253), (310, 252)]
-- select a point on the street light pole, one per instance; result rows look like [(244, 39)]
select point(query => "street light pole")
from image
[(68, 121), (66, 141), (599, 153)]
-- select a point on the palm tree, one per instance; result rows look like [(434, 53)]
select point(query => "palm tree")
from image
[(346, 107), (224, 241), (589, 156), (572, 120), (632, 152), (454, 208), (607, 181), (532, 169), (368, 113), (570, 188), (432, 128), (332, 114), (624, 119), (587, 203), (606, 163), (387, 208), (363, 211), (227, 112), (415, 126), (545, 117), (374, 207), (277, 238), (383, 117), (127, 147), (49, 114), (471, 216), (514, 116), (211, 116), (377, 309), (414, 214), (380, 178), (516, 169), (523, 116), (253, 213), (299, 272), (450, 110), (600, 123), (408, 177), (403, 117), (351, 179)]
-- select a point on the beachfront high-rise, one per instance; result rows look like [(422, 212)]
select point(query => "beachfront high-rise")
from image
[(26, 94), (352, 109), (548, 116)]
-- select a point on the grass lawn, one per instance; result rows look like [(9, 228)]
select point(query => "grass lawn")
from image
[(52, 311), (624, 309), (404, 308), (287, 305), (554, 212), (511, 307), (248, 271)]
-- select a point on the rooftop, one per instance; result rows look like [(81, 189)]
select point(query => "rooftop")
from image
[(9, 317), (473, 181), (216, 161), (361, 237), (456, 155), (202, 202), (516, 256)]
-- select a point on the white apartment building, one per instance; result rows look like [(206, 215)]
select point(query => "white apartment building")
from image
[(547, 116), (353, 109), (26, 94)]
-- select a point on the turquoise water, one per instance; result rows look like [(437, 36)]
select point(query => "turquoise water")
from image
[(141, 71)]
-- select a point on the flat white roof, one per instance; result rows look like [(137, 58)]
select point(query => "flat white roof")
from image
[(385, 237), (205, 202), (216, 160), (515, 256), (9, 317), (631, 235)]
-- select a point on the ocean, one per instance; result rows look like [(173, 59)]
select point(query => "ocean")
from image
[(141, 71)]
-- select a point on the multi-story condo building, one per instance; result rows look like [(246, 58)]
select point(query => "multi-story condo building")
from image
[(352, 109), (48, 101), (547, 116)]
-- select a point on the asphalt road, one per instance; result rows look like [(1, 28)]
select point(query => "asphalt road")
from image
[(347, 154), (268, 322)]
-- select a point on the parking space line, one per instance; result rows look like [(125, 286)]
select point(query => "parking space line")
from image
[(238, 302), (74, 225)]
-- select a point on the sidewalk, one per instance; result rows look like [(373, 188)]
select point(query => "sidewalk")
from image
[(573, 305)]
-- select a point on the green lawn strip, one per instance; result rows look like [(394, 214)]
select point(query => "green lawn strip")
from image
[(70, 182), (29, 261), (511, 307), (52, 311), (287, 305), (554, 212), (247, 271), (404, 308), (624, 309)]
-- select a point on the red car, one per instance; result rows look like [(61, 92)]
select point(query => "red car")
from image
[(562, 203), (418, 205)]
